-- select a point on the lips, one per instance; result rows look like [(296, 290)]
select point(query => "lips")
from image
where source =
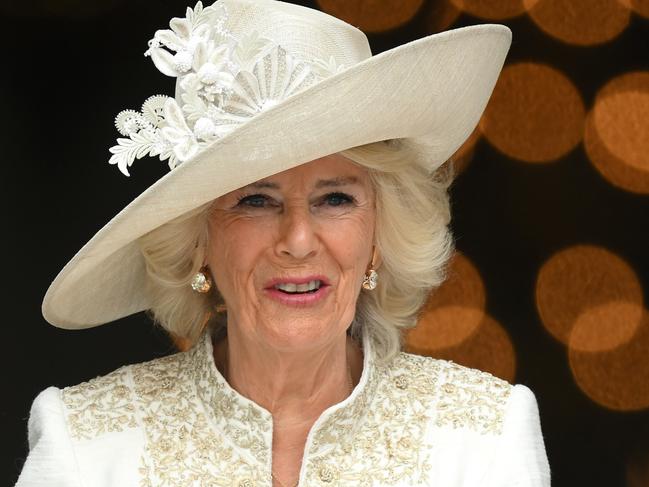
[(293, 288), (297, 284), (298, 291)]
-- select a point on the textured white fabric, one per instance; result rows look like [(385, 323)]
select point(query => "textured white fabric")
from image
[(51, 461), (176, 422)]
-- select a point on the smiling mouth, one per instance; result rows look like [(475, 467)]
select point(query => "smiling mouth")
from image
[(292, 288)]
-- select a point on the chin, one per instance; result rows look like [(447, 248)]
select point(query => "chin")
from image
[(301, 334)]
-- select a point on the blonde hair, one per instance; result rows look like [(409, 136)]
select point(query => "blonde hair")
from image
[(412, 237)]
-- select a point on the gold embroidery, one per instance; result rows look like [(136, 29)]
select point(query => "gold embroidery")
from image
[(198, 431), (327, 474), (472, 399), (385, 443), (183, 446), (102, 405)]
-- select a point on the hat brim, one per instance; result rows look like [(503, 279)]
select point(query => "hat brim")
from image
[(434, 88)]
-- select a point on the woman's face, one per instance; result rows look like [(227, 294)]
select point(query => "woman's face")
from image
[(289, 252)]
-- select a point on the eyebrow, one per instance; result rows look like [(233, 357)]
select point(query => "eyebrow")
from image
[(321, 183), (335, 182), (264, 185)]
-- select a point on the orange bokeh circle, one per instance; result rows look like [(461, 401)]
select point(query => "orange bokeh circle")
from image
[(617, 379), (605, 326), (580, 22), (372, 15), (453, 311), (441, 15), (494, 9), (489, 349), (535, 113), (616, 138), (578, 279), (640, 7), (614, 170)]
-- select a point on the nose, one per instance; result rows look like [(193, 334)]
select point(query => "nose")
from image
[(297, 233)]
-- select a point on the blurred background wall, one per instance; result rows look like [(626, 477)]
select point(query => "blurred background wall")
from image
[(550, 283)]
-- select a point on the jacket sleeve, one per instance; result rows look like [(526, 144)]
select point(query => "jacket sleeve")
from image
[(51, 460), (522, 461)]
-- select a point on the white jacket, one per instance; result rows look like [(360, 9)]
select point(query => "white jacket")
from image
[(176, 422)]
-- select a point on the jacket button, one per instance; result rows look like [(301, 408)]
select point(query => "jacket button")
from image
[(401, 381), (327, 474)]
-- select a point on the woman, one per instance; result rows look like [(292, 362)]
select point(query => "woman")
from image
[(301, 227)]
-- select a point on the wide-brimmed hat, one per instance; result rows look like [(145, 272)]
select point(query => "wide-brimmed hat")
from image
[(264, 86)]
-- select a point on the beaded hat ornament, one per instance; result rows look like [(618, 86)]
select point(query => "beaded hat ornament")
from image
[(263, 86), (224, 81)]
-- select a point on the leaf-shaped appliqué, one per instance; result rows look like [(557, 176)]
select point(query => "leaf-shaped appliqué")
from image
[(136, 146), (324, 69), (249, 49), (181, 28), (144, 137), (193, 106), (177, 133), (194, 15), (185, 35), (215, 15)]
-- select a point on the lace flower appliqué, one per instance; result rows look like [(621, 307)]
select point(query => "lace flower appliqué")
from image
[(224, 81)]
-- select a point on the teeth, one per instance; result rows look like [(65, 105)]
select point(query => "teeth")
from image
[(287, 288), (298, 288)]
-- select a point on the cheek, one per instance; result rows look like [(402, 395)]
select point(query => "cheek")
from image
[(351, 243), (234, 249)]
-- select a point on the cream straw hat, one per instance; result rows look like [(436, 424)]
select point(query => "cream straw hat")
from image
[(264, 86)]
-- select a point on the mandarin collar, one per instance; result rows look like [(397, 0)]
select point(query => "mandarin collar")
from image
[(250, 426)]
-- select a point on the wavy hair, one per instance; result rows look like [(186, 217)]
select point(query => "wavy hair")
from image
[(412, 236)]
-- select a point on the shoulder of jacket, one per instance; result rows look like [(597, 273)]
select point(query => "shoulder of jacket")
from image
[(464, 398), (109, 403)]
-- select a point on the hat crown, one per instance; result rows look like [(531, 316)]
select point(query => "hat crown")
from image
[(305, 33)]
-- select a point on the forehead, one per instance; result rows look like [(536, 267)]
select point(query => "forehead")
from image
[(332, 170)]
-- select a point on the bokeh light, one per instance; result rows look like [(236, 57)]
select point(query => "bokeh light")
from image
[(616, 138), (372, 15), (580, 22), (489, 348), (535, 114), (453, 311), (494, 9), (606, 326), (582, 278), (441, 15), (640, 7), (617, 379)]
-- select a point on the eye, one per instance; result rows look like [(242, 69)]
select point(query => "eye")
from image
[(337, 199), (255, 201)]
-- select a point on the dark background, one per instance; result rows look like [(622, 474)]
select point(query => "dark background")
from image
[(69, 66)]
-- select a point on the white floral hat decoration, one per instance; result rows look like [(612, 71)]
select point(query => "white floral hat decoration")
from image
[(263, 86), (224, 82)]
